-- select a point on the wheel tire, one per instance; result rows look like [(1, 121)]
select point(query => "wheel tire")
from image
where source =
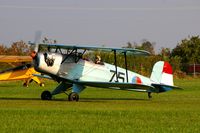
[(25, 85), (149, 95), (46, 95), (42, 84), (73, 96)]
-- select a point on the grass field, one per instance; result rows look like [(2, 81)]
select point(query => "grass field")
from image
[(100, 110)]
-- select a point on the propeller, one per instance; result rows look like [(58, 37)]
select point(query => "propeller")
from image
[(38, 35), (35, 44)]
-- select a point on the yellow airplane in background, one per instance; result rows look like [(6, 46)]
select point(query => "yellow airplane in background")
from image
[(24, 72)]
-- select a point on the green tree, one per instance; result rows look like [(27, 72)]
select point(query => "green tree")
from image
[(19, 48), (148, 46), (3, 50), (188, 50), (165, 54), (145, 45)]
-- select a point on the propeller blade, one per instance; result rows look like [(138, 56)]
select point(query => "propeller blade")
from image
[(35, 44), (38, 35)]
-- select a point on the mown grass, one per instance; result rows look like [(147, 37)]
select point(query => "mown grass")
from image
[(100, 110)]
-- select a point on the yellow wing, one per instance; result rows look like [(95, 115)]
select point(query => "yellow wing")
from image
[(10, 58)]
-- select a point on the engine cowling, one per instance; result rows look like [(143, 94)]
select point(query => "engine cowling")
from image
[(48, 62)]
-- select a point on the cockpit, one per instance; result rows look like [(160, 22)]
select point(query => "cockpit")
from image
[(71, 55)]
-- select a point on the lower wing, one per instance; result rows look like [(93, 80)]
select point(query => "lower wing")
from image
[(118, 86), (157, 88)]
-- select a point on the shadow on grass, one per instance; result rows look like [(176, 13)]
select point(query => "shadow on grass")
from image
[(110, 99), (80, 100), (7, 85), (14, 98), (31, 99)]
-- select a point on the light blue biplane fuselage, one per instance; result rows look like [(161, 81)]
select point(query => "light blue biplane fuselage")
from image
[(73, 71)]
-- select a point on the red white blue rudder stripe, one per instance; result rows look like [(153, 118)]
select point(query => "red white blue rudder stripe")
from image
[(162, 73)]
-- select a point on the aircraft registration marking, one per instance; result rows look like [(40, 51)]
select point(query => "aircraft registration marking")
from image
[(120, 75)]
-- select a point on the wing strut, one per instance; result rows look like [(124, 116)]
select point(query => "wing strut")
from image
[(68, 56), (125, 60), (115, 64)]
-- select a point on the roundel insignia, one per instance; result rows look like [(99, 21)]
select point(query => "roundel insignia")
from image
[(136, 80)]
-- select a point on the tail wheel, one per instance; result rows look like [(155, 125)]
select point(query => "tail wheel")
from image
[(46, 95), (73, 96), (149, 95)]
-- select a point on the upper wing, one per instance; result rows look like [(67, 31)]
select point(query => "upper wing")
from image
[(11, 59), (120, 50)]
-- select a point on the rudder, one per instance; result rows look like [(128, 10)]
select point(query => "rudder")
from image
[(162, 73)]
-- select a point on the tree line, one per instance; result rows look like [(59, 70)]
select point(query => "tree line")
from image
[(17, 48)]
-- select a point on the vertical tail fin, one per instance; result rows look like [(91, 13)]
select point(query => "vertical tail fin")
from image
[(162, 73)]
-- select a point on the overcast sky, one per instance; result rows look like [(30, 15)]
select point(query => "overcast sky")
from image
[(112, 23)]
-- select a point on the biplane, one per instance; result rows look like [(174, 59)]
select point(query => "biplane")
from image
[(66, 65), (22, 72)]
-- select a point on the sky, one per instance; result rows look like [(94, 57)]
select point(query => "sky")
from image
[(110, 23)]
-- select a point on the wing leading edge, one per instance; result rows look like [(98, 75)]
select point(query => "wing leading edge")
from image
[(119, 50)]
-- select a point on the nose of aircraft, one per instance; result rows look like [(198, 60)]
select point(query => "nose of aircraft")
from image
[(33, 54)]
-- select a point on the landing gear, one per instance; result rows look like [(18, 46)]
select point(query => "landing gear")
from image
[(149, 95), (73, 96), (46, 95)]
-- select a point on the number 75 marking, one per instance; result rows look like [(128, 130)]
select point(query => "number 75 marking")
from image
[(120, 75)]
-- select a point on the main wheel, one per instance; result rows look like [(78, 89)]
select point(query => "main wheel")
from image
[(46, 95), (73, 96), (42, 84), (25, 84)]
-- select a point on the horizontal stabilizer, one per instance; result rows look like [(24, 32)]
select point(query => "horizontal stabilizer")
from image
[(163, 88)]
